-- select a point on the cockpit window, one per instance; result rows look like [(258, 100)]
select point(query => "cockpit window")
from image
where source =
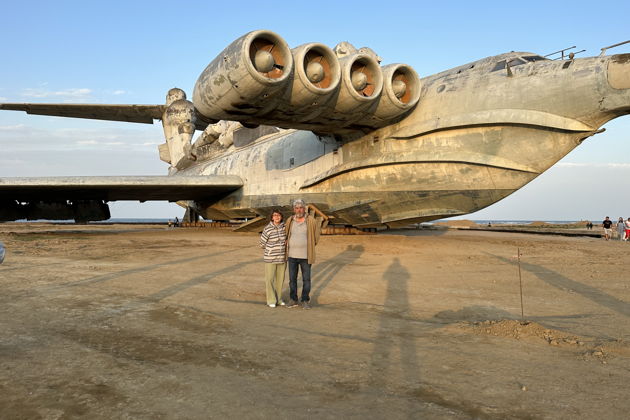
[(516, 62), (513, 62), (533, 58), (500, 66)]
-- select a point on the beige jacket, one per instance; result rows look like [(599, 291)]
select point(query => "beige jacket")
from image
[(313, 230)]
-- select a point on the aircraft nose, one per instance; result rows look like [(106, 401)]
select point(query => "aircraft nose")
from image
[(619, 71)]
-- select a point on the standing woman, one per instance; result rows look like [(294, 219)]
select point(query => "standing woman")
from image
[(627, 238), (621, 229), (273, 241)]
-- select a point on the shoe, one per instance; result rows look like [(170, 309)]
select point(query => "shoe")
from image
[(306, 305), (272, 305), (281, 303), (292, 304)]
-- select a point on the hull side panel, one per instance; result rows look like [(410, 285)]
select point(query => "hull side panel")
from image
[(372, 182)]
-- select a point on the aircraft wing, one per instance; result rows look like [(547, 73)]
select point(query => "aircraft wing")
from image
[(129, 113), (112, 188)]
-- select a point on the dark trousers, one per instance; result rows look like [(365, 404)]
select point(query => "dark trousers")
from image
[(305, 267)]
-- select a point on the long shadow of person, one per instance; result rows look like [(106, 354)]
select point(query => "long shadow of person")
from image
[(393, 337), (326, 271), (167, 292)]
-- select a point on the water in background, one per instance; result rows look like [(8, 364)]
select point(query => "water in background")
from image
[(519, 222)]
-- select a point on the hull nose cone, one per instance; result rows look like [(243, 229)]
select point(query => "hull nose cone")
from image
[(616, 100), (619, 71)]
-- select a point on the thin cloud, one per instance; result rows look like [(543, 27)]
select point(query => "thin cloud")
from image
[(20, 137), (119, 92), (594, 165), (14, 161), (76, 93), (11, 127)]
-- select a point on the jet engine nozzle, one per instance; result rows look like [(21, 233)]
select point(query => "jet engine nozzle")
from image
[(401, 92), (317, 75), (246, 78), (316, 68), (270, 56), (362, 81), (315, 81), (361, 86)]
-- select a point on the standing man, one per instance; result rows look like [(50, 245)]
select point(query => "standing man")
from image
[(302, 235), (621, 229), (607, 224)]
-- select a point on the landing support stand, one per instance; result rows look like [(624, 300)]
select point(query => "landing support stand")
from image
[(191, 216)]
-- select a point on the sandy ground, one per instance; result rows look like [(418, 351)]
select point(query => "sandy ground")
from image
[(141, 322)]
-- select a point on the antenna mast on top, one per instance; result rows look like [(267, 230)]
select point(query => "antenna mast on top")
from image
[(561, 52), (612, 46)]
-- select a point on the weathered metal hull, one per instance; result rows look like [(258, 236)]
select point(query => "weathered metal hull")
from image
[(390, 181), (446, 145), (477, 135)]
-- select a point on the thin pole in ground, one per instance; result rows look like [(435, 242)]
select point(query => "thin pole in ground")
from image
[(520, 282)]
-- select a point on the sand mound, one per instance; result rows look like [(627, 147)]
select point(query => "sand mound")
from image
[(534, 332), (539, 223), (527, 330)]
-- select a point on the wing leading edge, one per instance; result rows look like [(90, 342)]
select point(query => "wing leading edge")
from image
[(112, 188), (144, 114), (85, 199), (129, 113)]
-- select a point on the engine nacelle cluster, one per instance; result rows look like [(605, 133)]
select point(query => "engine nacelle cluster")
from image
[(258, 80)]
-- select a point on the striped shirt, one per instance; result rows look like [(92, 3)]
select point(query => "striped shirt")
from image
[(273, 241)]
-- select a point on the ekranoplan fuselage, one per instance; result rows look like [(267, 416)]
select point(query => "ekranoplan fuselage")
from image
[(477, 133), (365, 145)]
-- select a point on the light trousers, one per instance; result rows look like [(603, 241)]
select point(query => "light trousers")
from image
[(274, 280)]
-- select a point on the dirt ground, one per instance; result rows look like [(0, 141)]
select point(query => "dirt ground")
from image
[(146, 322)]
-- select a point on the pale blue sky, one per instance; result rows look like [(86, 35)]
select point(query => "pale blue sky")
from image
[(133, 52)]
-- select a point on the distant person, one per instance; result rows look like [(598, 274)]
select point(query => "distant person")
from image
[(273, 241), (302, 235), (627, 236), (621, 229), (176, 221), (607, 224)]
